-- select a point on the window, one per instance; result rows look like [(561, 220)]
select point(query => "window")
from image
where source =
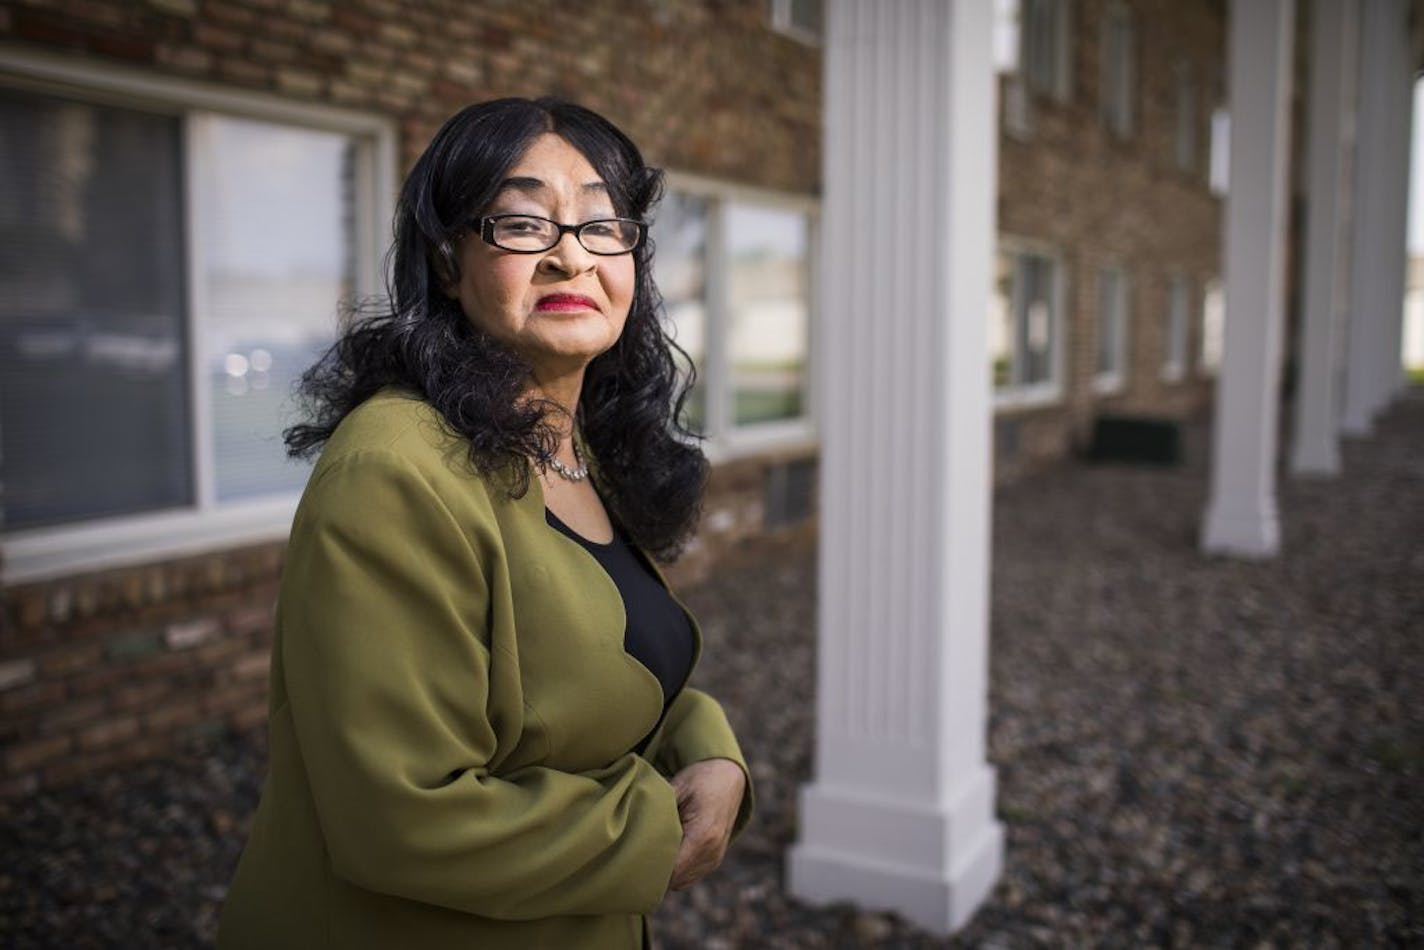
[(1044, 59), (1111, 368), (799, 19), (1213, 317), (1119, 70), (734, 268), (1219, 172), (167, 271), (1025, 327), (1174, 361), (1184, 139), (1032, 48)]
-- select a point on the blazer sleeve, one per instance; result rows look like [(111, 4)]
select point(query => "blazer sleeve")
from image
[(696, 729), (387, 665)]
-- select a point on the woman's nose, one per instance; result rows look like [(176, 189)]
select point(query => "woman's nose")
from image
[(568, 256)]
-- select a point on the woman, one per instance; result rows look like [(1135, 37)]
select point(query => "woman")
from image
[(479, 732)]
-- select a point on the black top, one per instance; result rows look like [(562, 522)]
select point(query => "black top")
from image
[(658, 633)]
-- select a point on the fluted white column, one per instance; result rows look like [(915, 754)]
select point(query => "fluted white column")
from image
[(1334, 43), (1381, 196), (900, 813), (1241, 515)]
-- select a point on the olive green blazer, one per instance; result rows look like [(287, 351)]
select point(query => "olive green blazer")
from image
[(451, 714)]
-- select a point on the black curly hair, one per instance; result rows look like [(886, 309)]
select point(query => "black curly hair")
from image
[(646, 464)]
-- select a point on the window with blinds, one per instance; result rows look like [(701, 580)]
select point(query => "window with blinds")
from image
[(165, 276)]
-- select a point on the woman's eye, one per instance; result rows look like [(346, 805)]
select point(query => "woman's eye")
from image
[(522, 225), (600, 228)]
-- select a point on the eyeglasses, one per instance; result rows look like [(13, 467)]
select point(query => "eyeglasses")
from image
[(530, 234)]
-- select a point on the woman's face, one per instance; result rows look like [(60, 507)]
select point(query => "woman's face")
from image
[(559, 308)]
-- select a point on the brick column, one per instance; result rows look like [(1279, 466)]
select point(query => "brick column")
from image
[(1241, 516), (900, 812), (1334, 32)]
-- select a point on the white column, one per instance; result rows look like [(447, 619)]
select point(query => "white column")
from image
[(900, 814), (1396, 241), (1241, 514), (1381, 190), (1334, 43)]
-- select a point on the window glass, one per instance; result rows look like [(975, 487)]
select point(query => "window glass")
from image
[(1177, 330), (1112, 325), (767, 298), (1119, 71), (1213, 325), (278, 206), (1041, 23), (1220, 171), (1185, 139), (93, 382), (680, 269)]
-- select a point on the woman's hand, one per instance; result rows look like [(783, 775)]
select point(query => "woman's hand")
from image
[(709, 793)]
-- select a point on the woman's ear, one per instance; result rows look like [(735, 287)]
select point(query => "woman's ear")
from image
[(446, 271)]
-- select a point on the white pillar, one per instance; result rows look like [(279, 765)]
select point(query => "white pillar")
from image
[(1241, 516), (900, 814), (1334, 43), (1396, 241), (1381, 190)]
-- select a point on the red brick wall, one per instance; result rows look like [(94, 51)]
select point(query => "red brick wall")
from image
[(104, 669), (701, 86)]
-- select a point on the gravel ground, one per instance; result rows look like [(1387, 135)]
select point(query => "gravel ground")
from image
[(1191, 751)]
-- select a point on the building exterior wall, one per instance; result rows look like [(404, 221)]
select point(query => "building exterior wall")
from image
[(1071, 185), (103, 667)]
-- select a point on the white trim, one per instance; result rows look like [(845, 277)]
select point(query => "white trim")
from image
[(138, 539), (131, 539), (704, 186), (196, 147), (725, 439), (118, 85)]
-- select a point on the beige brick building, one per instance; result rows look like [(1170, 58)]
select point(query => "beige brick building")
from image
[(166, 163)]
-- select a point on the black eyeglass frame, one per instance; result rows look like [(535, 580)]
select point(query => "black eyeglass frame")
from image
[(487, 224)]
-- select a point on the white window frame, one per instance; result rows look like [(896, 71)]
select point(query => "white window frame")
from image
[(1114, 381), (1118, 84), (1177, 340), (784, 22), (206, 525), (726, 440), (1051, 392)]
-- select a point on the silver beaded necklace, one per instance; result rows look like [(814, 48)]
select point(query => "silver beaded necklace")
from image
[(577, 474)]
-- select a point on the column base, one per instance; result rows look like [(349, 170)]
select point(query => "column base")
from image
[(1321, 460), (933, 866), (1250, 532)]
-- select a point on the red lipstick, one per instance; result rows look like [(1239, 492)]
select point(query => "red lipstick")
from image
[(565, 302)]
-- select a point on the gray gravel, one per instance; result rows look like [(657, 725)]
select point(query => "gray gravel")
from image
[(1191, 751)]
